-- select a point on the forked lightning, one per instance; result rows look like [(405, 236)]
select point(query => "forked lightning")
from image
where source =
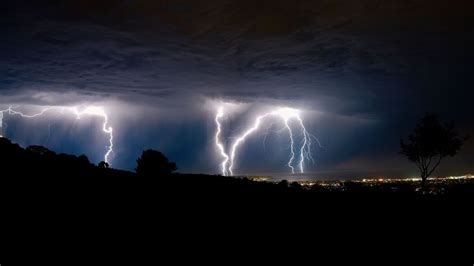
[(75, 110)]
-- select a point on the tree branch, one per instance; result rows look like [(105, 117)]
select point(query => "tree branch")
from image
[(429, 162), (419, 164), (425, 168), (436, 165)]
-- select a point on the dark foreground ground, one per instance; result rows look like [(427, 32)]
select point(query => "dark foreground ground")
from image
[(45, 195)]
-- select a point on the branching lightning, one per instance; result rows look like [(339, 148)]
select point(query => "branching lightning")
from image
[(220, 114), (285, 114), (292, 146), (77, 112)]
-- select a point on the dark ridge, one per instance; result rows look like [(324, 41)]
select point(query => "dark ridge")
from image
[(65, 198), (45, 171)]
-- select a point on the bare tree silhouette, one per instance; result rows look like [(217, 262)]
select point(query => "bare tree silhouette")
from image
[(431, 141)]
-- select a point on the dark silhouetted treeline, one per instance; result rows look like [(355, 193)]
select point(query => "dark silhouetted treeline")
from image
[(41, 173), (62, 197), (39, 162), (38, 165)]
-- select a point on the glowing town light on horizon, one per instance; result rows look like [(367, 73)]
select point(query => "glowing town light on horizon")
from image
[(78, 112), (286, 114)]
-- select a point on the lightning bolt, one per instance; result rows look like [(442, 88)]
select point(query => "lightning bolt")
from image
[(220, 146), (242, 138), (78, 112), (99, 111), (305, 151), (1, 122), (292, 145), (286, 114)]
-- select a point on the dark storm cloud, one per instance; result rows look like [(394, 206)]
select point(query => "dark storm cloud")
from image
[(385, 61)]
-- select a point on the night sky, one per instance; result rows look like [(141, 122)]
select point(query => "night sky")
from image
[(362, 73)]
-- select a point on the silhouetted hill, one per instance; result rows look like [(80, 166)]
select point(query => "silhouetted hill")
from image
[(38, 175), (47, 195), (37, 161), (37, 164)]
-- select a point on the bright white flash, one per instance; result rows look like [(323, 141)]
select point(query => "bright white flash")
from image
[(286, 114), (77, 112)]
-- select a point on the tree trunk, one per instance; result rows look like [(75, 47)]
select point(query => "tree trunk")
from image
[(423, 182)]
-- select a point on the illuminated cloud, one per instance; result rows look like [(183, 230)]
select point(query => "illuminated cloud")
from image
[(362, 74)]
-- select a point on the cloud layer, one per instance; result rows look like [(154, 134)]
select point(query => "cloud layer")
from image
[(363, 70)]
